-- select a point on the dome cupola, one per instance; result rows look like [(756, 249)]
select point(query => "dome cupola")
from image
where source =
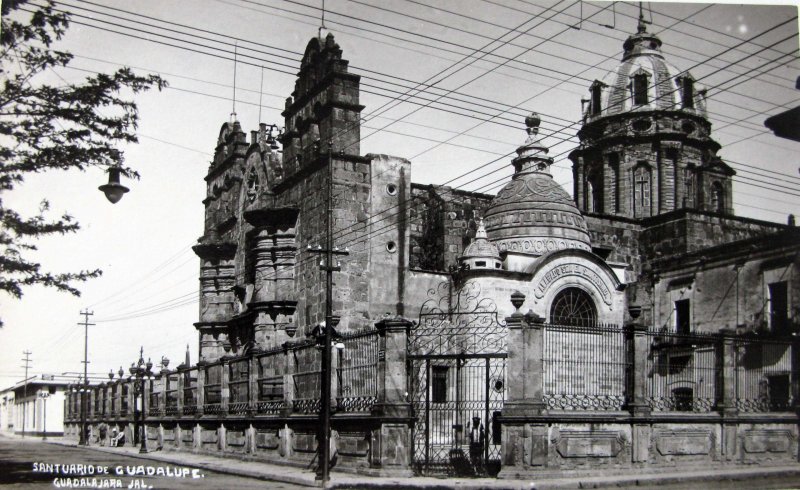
[(644, 81), (532, 214), (645, 144), (481, 253)]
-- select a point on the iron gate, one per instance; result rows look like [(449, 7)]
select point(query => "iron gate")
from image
[(457, 364)]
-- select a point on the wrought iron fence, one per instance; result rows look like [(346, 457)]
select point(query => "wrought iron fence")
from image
[(271, 367), (585, 367), (190, 392), (306, 366), (171, 394), (124, 398), (154, 406), (357, 371), (765, 378), (239, 386), (683, 371), (213, 389)]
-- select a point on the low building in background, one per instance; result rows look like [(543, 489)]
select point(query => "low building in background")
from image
[(38, 406)]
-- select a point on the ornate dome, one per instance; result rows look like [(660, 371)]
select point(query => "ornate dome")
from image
[(644, 81), (532, 214), (481, 253)]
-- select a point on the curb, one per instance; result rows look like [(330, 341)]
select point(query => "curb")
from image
[(348, 481), (211, 466)]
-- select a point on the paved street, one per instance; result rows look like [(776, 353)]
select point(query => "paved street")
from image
[(21, 467), (17, 458)]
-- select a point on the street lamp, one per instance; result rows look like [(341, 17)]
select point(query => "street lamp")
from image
[(113, 190), (141, 371), (44, 395)]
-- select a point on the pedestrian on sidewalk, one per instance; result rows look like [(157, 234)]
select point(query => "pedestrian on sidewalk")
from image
[(103, 432), (113, 442)]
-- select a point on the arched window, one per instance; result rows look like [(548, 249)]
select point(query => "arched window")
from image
[(597, 92), (687, 92), (688, 183), (573, 306), (594, 192), (639, 88), (613, 162), (717, 198), (641, 191)]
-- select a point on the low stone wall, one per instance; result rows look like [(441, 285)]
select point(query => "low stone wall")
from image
[(360, 443), (549, 445)]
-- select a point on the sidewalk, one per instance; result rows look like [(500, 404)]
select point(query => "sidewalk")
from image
[(305, 477)]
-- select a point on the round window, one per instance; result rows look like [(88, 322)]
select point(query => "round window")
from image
[(391, 247), (391, 189)]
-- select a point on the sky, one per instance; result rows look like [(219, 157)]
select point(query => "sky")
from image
[(491, 62)]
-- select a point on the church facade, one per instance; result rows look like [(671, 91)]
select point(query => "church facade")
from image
[(638, 322)]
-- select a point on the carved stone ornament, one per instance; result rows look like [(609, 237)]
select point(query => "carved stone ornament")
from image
[(253, 185)]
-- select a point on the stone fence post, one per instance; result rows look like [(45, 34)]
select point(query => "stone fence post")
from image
[(637, 349), (795, 387), (395, 444), (524, 443), (225, 388), (252, 383), (162, 397), (726, 362), (288, 380), (181, 373), (726, 394), (391, 369), (200, 389)]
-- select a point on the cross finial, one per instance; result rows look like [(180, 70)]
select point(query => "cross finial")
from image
[(642, 27)]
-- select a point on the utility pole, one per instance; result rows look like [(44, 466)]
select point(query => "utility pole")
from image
[(27, 361), (83, 440), (327, 265)]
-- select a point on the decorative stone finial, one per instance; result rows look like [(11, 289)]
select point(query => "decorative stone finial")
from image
[(532, 122), (517, 299), (481, 231)]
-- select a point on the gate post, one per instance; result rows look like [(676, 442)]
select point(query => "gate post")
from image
[(637, 345), (524, 443), (393, 438), (726, 391)]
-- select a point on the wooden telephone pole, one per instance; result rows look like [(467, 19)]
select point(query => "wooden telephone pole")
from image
[(327, 265), (27, 361), (84, 390)]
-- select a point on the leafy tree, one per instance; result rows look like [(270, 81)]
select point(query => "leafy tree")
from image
[(47, 127)]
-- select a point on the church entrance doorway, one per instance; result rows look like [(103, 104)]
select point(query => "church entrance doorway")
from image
[(457, 400), (457, 368)]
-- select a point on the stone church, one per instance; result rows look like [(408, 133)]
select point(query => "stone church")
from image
[(636, 322)]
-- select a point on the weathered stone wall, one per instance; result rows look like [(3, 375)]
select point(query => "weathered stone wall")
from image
[(619, 239), (443, 223), (541, 449)]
